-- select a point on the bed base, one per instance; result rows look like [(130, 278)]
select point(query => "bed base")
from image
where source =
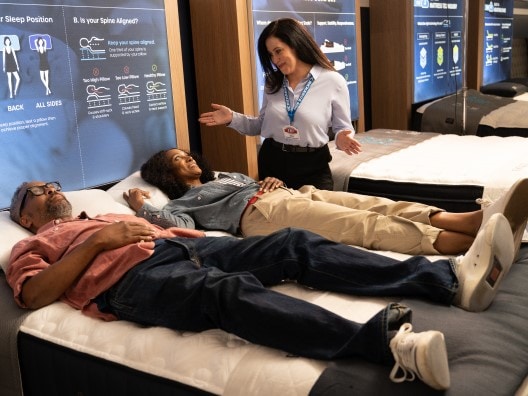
[(50, 369), (451, 198)]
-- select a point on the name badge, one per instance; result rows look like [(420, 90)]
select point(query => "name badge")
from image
[(291, 133)]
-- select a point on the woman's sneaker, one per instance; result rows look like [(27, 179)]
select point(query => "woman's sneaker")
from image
[(481, 270), (421, 355), (513, 204)]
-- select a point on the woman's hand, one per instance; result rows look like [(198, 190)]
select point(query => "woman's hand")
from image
[(136, 198), (345, 142), (221, 115), (269, 184)]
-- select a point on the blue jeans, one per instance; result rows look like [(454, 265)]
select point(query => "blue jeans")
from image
[(220, 282)]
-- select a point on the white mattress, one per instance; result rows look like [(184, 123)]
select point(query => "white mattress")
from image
[(492, 162)]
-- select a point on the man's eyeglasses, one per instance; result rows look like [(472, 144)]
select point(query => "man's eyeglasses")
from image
[(39, 190)]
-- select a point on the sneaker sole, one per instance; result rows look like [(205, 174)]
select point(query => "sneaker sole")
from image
[(484, 278), (431, 359), (516, 211)]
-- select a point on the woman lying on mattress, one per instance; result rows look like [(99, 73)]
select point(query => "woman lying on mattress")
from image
[(235, 203), (122, 267)]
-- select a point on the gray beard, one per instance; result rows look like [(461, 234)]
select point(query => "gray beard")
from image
[(59, 210)]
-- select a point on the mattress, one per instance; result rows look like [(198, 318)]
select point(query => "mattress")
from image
[(492, 345), (375, 143), (213, 361), (485, 115)]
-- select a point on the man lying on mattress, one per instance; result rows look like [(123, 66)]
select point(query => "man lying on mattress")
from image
[(235, 203), (123, 267)]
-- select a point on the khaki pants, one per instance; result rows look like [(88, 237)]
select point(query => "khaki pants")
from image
[(361, 220)]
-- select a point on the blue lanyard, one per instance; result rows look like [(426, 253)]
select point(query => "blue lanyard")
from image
[(289, 110)]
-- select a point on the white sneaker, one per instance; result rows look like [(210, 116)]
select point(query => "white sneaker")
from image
[(481, 270), (514, 206), (420, 354)]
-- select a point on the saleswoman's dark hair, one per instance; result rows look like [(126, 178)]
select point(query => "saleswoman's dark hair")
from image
[(158, 172), (297, 37)]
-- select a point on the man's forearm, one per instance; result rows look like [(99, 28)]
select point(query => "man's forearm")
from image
[(48, 285)]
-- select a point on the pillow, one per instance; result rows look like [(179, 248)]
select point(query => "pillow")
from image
[(505, 89), (11, 234), (93, 202), (157, 197)]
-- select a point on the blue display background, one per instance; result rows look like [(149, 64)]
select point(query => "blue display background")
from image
[(438, 48), (326, 20), (110, 106), (498, 34)]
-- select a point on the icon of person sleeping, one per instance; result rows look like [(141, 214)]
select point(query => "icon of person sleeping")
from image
[(41, 46), (10, 64)]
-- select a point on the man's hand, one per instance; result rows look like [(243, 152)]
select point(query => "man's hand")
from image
[(269, 184), (123, 233), (49, 285), (135, 198)]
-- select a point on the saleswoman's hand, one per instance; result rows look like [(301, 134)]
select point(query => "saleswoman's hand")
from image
[(221, 115), (270, 184), (345, 142)]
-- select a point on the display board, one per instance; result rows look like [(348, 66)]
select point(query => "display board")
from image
[(333, 26), (85, 95), (498, 35), (438, 48)]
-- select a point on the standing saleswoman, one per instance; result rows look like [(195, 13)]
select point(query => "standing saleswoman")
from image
[(304, 97)]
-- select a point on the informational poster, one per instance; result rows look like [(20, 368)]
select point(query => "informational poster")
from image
[(438, 48), (498, 34), (85, 90), (332, 23)]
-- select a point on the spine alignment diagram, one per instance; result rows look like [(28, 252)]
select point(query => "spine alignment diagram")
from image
[(90, 48)]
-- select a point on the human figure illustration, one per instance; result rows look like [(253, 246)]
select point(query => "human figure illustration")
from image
[(42, 49), (10, 66)]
